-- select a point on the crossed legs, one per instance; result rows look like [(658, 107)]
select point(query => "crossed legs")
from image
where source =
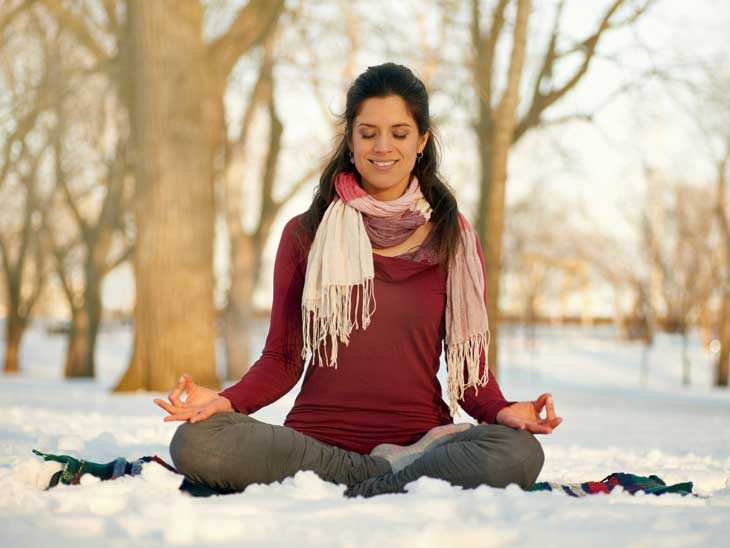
[(230, 451)]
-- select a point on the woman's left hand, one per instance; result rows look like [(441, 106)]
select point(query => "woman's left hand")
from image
[(525, 415)]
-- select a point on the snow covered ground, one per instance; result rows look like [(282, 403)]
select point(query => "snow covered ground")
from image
[(611, 424)]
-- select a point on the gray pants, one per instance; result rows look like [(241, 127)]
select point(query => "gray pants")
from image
[(231, 451)]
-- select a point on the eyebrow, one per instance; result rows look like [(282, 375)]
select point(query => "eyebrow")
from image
[(402, 124)]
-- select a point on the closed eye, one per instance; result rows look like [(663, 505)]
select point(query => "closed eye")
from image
[(373, 135)]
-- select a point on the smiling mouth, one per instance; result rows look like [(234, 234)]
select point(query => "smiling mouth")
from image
[(383, 164)]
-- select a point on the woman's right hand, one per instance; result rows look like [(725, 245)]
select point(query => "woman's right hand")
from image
[(200, 404)]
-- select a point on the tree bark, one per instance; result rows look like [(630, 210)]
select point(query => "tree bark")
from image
[(85, 321), (14, 329), (174, 316), (77, 351)]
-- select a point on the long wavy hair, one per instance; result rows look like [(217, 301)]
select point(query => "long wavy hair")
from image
[(382, 81)]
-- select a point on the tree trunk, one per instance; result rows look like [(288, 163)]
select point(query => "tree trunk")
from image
[(81, 351), (77, 351), (174, 316), (14, 329), (723, 359), (244, 257), (496, 144)]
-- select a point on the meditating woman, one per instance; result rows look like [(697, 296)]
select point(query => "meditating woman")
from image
[(372, 281)]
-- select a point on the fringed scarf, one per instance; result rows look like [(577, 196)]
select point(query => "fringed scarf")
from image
[(340, 269)]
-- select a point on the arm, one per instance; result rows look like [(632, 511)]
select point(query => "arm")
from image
[(280, 365), (485, 404)]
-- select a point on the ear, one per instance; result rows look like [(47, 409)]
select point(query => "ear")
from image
[(422, 140)]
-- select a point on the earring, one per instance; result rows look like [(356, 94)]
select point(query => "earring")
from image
[(352, 158), (419, 155)]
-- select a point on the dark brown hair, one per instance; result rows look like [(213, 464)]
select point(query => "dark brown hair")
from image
[(382, 81)]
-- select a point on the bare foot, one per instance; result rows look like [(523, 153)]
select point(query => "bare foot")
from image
[(400, 456)]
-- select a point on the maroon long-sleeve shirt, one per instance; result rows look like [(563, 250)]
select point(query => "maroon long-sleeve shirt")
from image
[(384, 389)]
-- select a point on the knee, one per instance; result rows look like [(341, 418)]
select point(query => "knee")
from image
[(511, 456), (529, 451), (191, 447), (183, 446)]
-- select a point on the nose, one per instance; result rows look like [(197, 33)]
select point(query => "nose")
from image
[(382, 144)]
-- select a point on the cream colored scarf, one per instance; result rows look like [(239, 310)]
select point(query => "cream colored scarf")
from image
[(340, 269)]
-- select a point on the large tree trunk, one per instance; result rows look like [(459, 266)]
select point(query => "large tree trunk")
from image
[(174, 316), (14, 329), (495, 139)]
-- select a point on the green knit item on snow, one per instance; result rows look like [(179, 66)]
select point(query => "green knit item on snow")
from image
[(75, 468)]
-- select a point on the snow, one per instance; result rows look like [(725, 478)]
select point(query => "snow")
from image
[(611, 424)]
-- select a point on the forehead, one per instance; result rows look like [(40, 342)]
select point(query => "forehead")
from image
[(384, 111)]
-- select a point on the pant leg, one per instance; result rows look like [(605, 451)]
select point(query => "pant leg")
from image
[(487, 454), (230, 451)]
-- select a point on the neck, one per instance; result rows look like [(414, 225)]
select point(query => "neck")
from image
[(387, 194)]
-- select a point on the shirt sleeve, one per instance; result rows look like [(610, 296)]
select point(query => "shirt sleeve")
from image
[(280, 365), (485, 403)]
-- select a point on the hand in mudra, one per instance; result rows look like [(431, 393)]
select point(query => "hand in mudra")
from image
[(525, 415), (200, 404)]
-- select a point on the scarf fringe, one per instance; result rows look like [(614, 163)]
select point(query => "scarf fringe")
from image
[(469, 351), (333, 316)]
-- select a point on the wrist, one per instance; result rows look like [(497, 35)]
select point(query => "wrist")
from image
[(227, 405), (501, 414)]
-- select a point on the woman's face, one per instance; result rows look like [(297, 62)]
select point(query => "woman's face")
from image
[(384, 144)]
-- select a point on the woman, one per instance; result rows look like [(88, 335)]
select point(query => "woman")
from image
[(371, 281)]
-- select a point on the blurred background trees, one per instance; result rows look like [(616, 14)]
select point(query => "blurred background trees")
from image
[(165, 143)]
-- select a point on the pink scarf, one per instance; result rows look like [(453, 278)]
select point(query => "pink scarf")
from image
[(341, 260)]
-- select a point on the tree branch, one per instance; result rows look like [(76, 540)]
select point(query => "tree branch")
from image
[(541, 100), (79, 27), (485, 48), (303, 180), (121, 259), (251, 25)]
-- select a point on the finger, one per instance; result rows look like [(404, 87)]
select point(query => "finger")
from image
[(185, 415), (539, 428), (551, 415), (169, 408), (554, 423), (539, 403), (174, 395)]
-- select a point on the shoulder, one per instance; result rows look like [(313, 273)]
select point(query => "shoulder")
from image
[(294, 237)]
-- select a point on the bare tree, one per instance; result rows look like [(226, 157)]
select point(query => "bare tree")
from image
[(497, 125), (679, 222), (99, 242), (21, 255), (23, 148)]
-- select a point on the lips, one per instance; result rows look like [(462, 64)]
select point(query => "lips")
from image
[(383, 165)]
